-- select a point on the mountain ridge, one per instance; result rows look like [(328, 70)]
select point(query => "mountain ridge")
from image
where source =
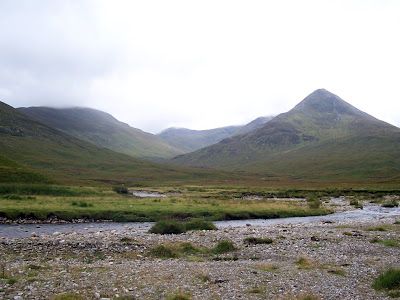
[(31, 149), (321, 121), (189, 140), (103, 130)]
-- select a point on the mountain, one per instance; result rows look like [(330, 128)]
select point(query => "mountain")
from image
[(188, 140), (323, 137), (255, 124), (34, 152), (103, 130)]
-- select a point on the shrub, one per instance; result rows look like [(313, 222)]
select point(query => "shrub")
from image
[(397, 222), (389, 280), (224, 246), (167, 227), (256, 240)]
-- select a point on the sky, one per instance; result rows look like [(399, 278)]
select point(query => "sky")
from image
[(199, 64)]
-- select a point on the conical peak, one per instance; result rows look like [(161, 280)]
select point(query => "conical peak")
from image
[(323, 101)]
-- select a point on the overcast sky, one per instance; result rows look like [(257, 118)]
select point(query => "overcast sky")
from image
[(199, 64)]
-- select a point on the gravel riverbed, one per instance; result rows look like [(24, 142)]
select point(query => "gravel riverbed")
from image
[(341, 263)]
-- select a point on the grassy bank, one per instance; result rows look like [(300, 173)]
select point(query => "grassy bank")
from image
[(67, 203)]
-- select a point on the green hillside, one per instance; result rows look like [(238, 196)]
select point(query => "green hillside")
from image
[(66, 159), (323, 137), (103, 130), (188, 140), (11, 172)]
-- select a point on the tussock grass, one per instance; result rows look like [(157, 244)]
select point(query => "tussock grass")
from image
[(356, 203), (199, 224), (177, 227), (224, 246), (337, 271), (390, 203), (174, 250), (256, 290), (305, 263), (81, 204), (388, 280), (267, 267), (307, 297), (386, 242), (67, 296), (167, 227), (179, 296), (314, 202), (377, 228)]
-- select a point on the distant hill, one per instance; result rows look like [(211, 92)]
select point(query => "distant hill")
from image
[(323, 137), (188, 140), (31, 149), (103, 130)]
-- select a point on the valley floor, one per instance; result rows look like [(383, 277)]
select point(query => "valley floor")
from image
[(318, 260)]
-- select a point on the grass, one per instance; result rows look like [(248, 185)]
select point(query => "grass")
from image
[(337, 271), (167, 227), (210, 204), (203, 277), (390, 203), (304, 263), (388, 280), (356, 203), (177, 227), (81, 204), (257, 241), (314, 202), (267, 267), (307, 297), (386, 242), (256, 290), (377, 228), (67, 296), (179, 296), (120, 189), (44, 189), (174, 250), (224, 246), (199, 224)]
